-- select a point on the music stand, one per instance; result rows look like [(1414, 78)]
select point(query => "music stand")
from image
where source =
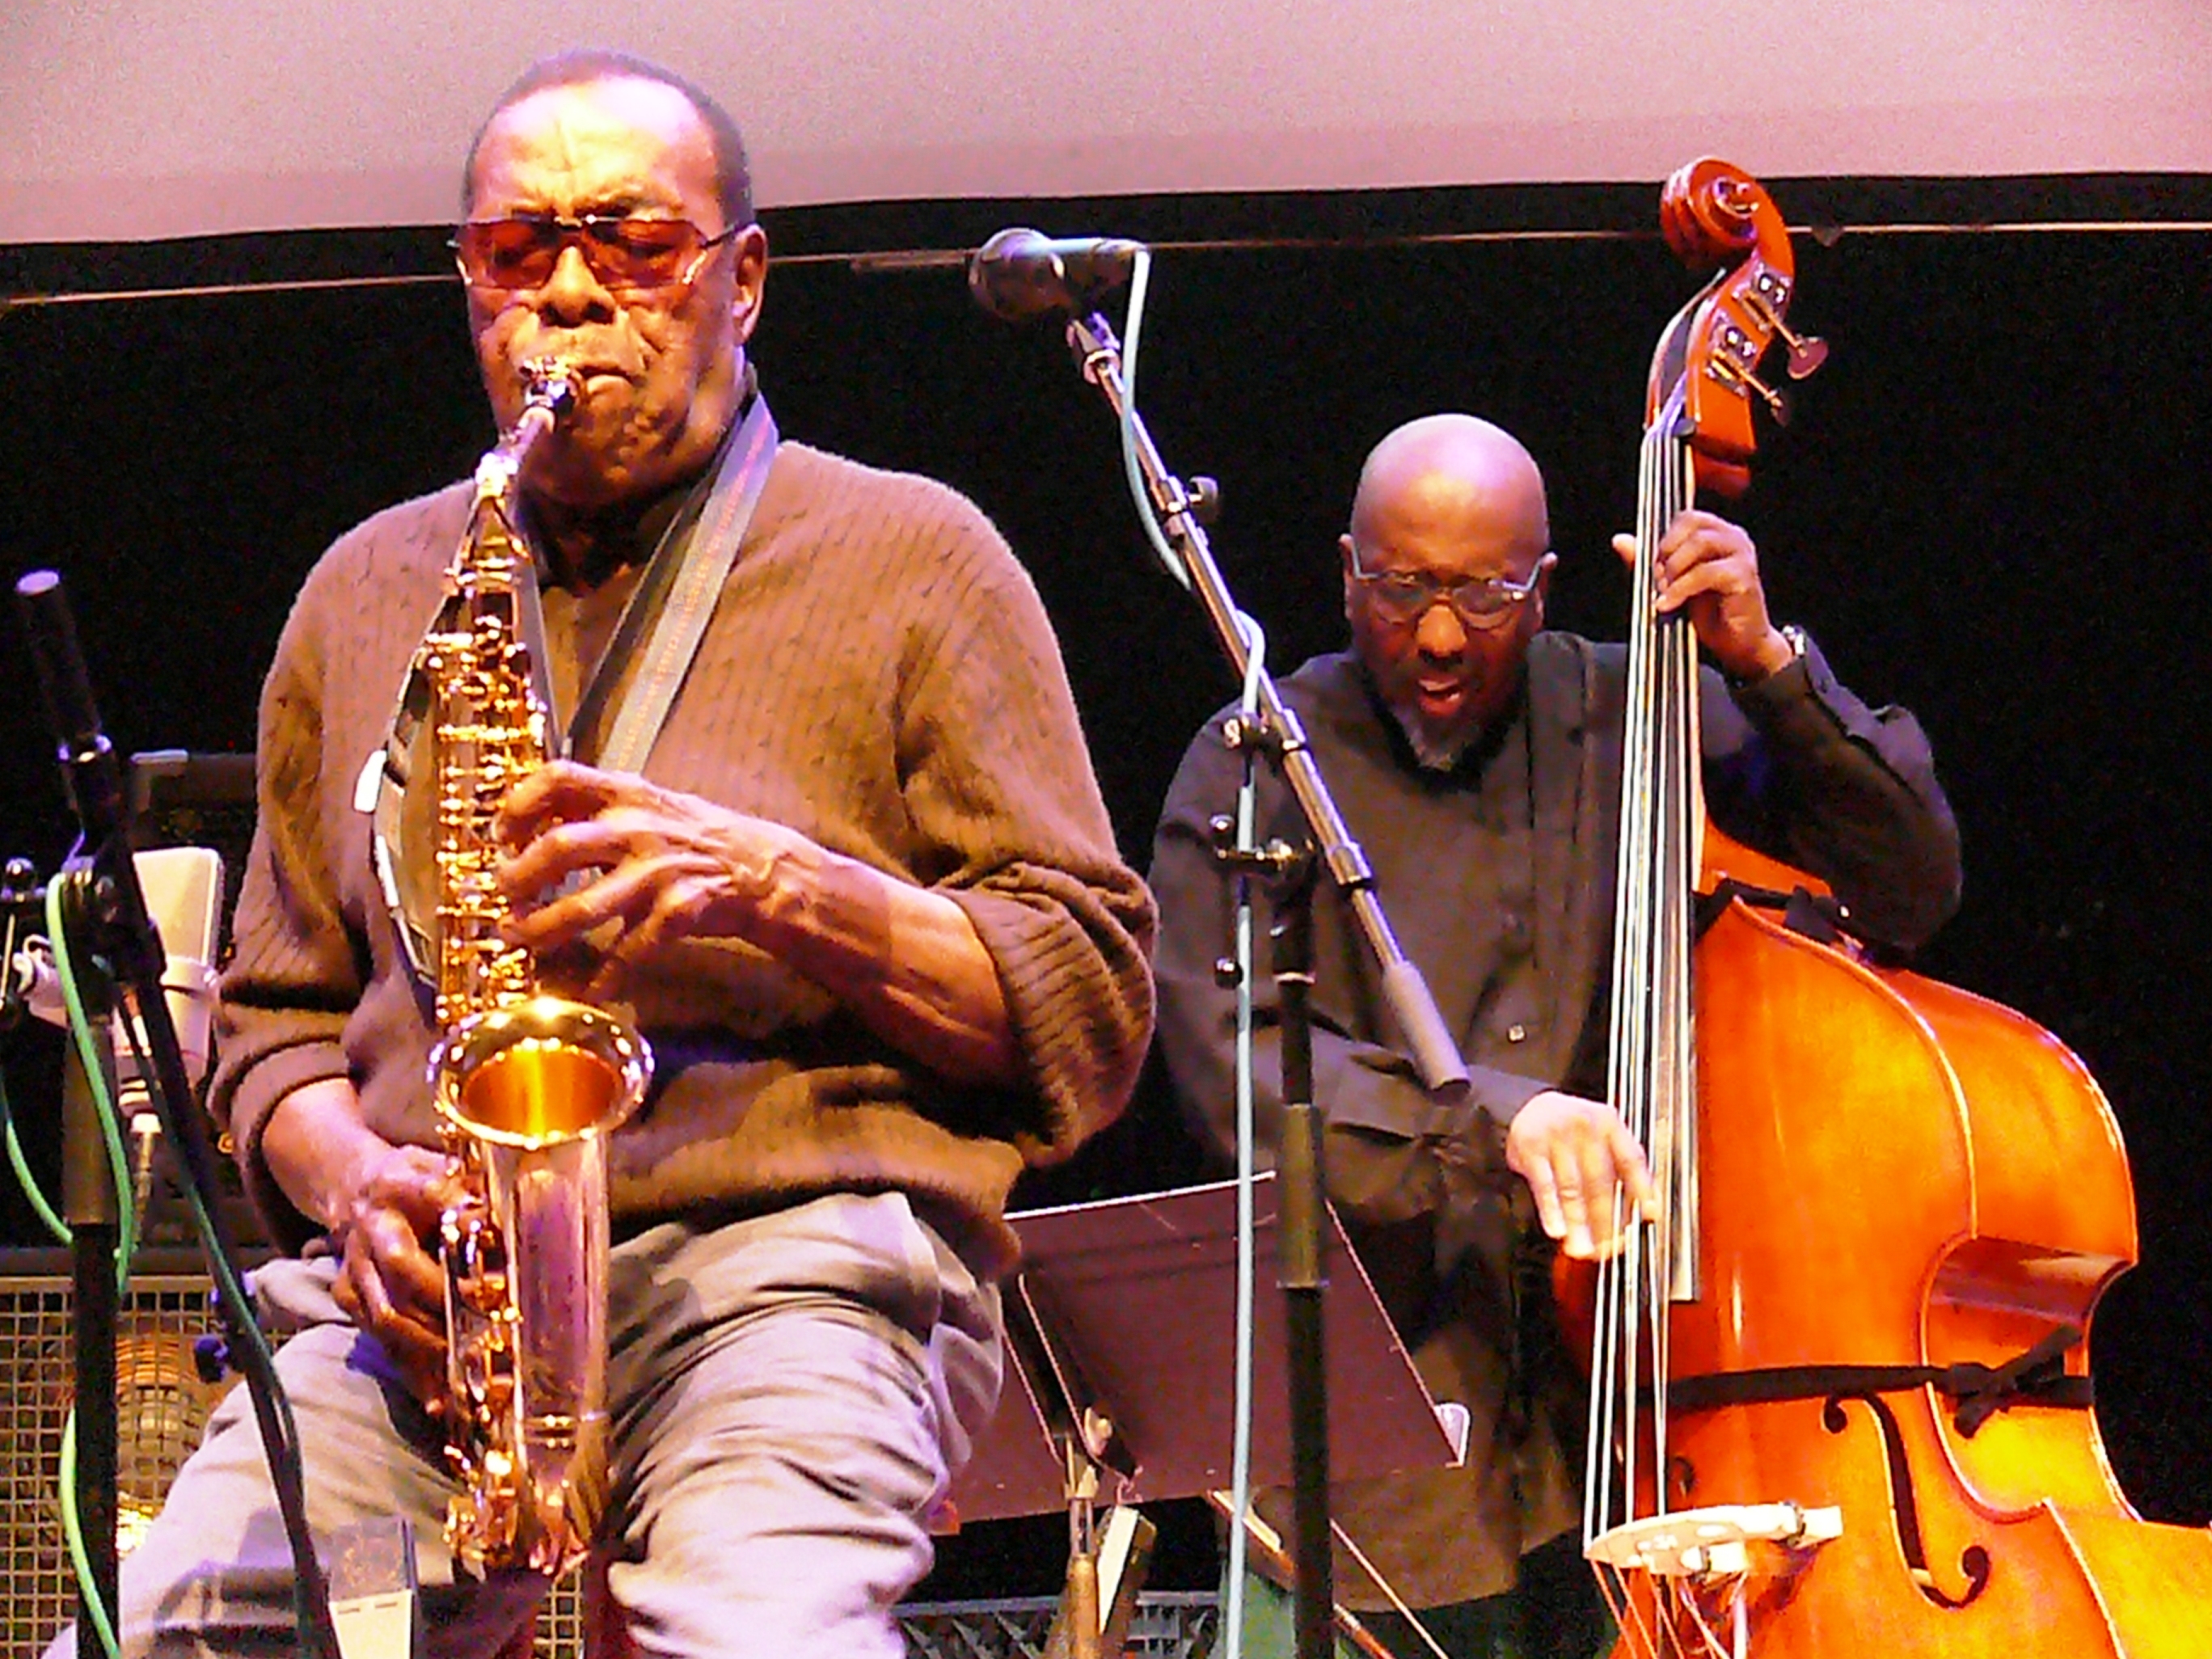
[(1120, 1325)]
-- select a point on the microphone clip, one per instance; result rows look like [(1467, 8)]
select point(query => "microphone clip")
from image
[(22, 903), (1021, 273)]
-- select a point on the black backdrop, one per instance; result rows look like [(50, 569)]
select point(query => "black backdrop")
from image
[(1991, 508)]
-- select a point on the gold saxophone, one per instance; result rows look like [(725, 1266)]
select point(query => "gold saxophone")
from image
[(527, 1085)]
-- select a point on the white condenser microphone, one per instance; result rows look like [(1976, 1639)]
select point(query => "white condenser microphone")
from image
[(182, 887)]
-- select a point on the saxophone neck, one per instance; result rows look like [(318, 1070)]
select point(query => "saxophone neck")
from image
[(550, 388)]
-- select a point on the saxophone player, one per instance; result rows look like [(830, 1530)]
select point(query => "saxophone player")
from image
[(854, 881)]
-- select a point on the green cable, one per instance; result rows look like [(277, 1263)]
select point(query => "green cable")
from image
[(96, 1077), (231, 1294), (126, 1245), (73, 1528), (24, 1178)]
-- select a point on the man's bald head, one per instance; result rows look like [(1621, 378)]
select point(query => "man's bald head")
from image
[(1457, 465)]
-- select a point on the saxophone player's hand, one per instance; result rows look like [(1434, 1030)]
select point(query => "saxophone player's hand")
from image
[(390, 1282), (380, 1205), (666, 865)]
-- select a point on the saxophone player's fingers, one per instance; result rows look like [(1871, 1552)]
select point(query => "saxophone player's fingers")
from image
[(546, 908), (564, 792), (390, 1273), (420, 1182), (558, 788), (415, 1343), (397, 1207), (629, 884), (531, 875), (418, 1352), (659, 906)]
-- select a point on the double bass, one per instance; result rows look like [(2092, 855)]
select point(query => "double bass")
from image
[(1839, 1385)]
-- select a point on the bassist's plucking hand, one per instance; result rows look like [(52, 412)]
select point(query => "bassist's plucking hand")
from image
[(1583, 1168)]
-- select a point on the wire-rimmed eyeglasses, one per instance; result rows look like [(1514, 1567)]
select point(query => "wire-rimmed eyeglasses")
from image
[(1403, 596)]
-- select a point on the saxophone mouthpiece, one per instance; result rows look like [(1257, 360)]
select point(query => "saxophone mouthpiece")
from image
[(550, 385), (548, 393)]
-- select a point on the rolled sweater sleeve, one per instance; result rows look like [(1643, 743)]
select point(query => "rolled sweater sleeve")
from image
[(294, 977), (997, 774), (308, 994)]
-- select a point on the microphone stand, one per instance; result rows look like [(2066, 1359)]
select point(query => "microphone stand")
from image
[(111, 914), (93, 1208), (1436, 1057)]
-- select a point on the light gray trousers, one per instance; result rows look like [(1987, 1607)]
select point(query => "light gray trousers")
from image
[(790, 1395)]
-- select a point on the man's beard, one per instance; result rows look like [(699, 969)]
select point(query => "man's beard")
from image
[(1435, 754)]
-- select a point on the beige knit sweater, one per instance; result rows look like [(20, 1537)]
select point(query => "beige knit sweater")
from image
[(879, 675)]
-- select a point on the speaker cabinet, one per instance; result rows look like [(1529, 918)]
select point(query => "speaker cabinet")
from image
[(161, 1409)]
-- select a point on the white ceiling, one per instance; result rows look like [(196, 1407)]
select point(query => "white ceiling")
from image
[(125, 119)]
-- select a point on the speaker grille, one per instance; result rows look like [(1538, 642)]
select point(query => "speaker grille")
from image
[(161, 1409)]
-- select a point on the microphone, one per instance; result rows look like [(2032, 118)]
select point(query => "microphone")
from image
[(182, 887), (1021, 273)]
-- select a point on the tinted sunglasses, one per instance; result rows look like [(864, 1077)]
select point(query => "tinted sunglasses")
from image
[(623, 252)]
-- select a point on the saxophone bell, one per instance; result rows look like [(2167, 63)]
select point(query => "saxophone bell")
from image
[(539, 1073), (532, 1089)]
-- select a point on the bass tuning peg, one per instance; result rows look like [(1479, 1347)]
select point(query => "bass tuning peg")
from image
[(1777, 404), (1807, 351)]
